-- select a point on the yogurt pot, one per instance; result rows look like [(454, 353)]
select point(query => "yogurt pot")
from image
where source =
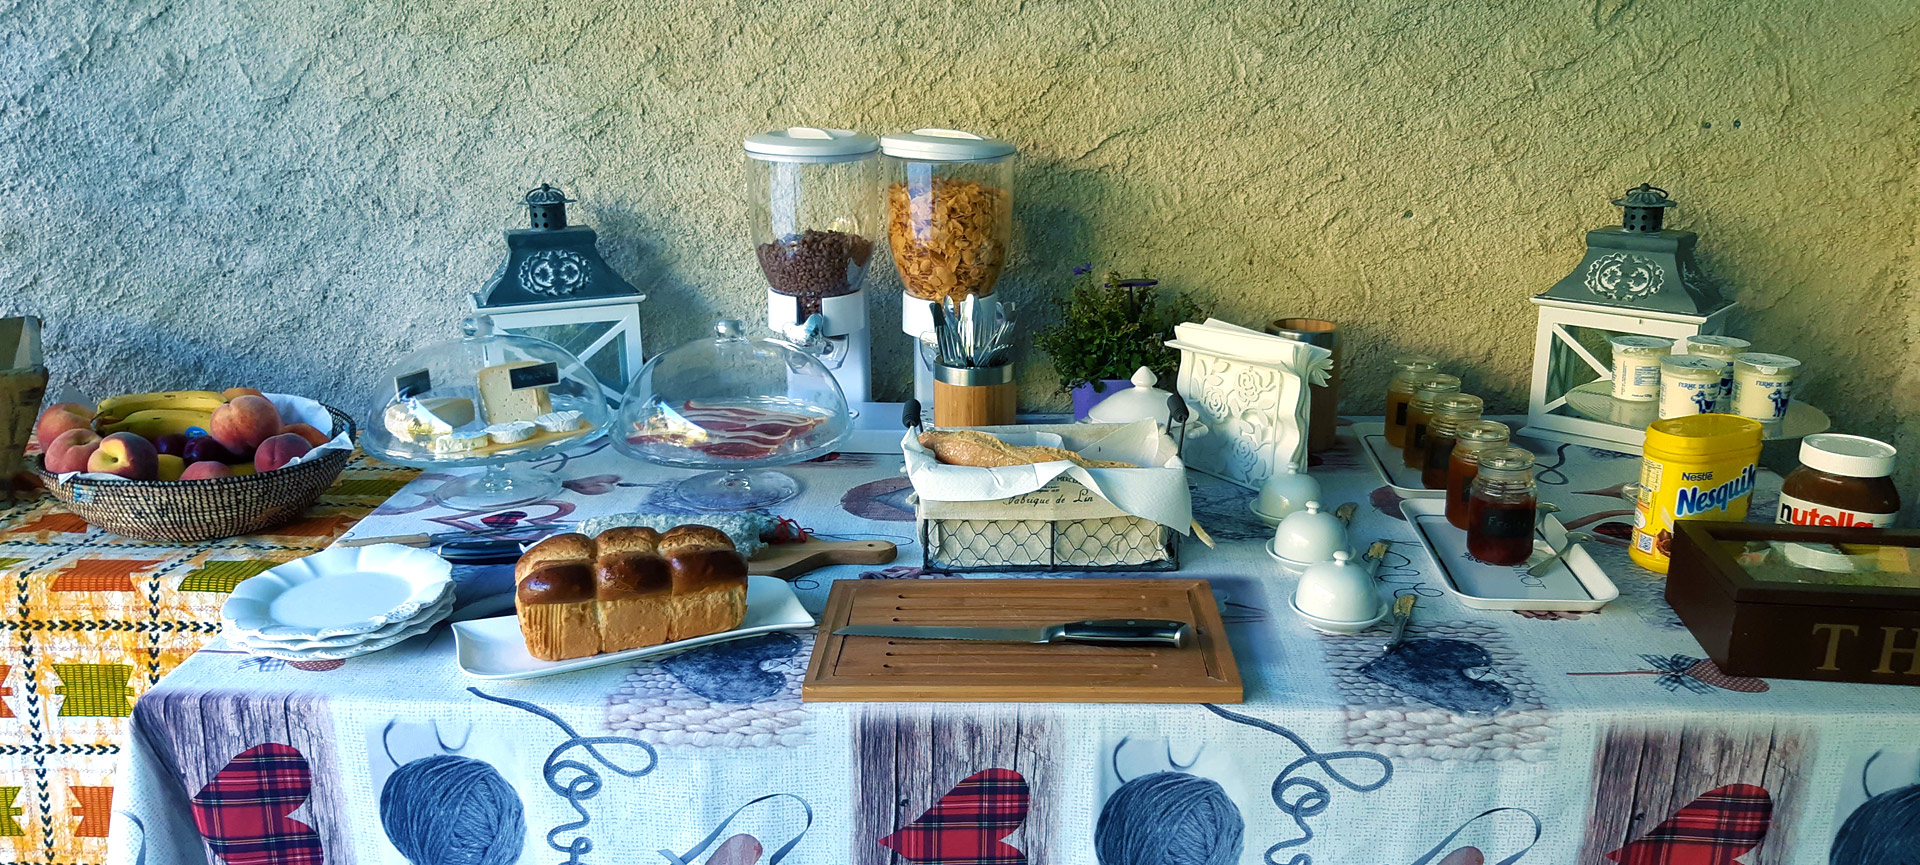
[(1636, 366), (1721, 348), (1763, 385), (1690, 384)]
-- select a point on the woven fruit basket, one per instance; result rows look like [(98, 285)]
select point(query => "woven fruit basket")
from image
[(202, 510)]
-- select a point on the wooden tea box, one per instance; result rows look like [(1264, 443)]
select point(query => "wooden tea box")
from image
[(1801, 602)]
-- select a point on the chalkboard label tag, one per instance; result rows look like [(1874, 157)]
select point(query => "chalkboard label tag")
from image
[(538, 375), (412, 384)]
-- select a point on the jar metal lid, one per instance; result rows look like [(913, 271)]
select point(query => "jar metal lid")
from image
[(1766, 364), (1693, 366), (1640, 345), (1509, 459), (1438, 383), (944, 145), (810, 144), (1849, 455), (1482, 431), (1416, 363), (1459, 403)]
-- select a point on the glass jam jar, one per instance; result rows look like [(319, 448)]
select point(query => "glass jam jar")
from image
[(1427, 390), (1471, 440), (1500, 512), (1406, 369), (1448, 414)]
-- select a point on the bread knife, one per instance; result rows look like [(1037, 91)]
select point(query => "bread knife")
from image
[(1091, 632)]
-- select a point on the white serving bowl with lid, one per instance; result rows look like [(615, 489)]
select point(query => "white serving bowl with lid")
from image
[(1340, 591), (1308, 537)]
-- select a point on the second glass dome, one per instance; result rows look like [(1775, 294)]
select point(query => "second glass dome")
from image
[(733, 404)]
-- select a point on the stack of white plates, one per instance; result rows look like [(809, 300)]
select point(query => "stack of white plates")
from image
[(339, 603)]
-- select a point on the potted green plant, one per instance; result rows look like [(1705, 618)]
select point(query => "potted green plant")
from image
[(1108, 329)]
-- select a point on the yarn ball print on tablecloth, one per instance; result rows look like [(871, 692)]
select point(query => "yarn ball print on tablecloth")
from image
[(1388, 721), (655, 705), (1169, 818), (448, 810)]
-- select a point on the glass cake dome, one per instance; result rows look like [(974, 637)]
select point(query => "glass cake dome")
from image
[(488, 399), (734, 406)]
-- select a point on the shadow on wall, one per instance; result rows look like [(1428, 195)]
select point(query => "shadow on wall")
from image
[(677, 309)]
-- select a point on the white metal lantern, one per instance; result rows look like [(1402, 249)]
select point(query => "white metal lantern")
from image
[(555, 286), (1637, 279)]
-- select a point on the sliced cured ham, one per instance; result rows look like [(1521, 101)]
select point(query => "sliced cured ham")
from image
[(733, 432)]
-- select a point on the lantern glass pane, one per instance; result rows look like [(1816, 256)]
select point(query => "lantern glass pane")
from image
[(1567, 369), (609, 364), (575, 337)]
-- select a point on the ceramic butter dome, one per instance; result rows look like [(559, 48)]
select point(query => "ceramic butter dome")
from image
[(736, 405)]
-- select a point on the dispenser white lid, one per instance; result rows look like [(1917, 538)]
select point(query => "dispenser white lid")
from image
[(944, 145), (811, 144)]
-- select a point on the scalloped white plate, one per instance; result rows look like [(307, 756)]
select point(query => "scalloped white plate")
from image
[(412, 630), (439, 611), (337, 592)]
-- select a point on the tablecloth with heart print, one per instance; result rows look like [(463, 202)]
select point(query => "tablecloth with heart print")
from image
[(1490, 737), (93, 620)]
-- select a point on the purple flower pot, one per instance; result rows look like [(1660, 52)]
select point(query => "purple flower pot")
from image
[(1085, 397)]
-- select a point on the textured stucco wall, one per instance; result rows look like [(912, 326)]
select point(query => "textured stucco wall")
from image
[(284, 194)]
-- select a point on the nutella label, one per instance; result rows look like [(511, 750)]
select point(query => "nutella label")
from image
[(1800, 512)]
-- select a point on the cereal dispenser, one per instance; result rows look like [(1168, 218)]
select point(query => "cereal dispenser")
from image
[(949, 220), (815, 214)]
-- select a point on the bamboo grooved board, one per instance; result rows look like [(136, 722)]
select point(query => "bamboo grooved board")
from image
[(888, 669)]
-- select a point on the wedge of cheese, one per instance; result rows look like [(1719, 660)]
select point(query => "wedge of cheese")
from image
[(502, 403)]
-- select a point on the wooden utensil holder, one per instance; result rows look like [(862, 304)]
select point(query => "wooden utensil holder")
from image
[(973, 396)]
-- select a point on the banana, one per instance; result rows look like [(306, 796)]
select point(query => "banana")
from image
[(127, 404), (154, 422)]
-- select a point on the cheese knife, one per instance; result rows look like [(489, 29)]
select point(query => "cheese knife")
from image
[(1091, 632)]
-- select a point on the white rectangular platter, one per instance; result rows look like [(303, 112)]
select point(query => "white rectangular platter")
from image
[(1388, 464), (1575, 584), (493, 648)]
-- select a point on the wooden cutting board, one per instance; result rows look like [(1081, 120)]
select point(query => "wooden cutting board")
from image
[(888, 669)]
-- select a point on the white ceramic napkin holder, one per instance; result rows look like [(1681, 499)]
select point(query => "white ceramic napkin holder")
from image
[(1246, 394)]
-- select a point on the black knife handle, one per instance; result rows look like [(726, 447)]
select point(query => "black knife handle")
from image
[(1126, 632), (487, 551)]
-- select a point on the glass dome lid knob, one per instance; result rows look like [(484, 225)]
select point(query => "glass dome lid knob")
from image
[(729, 328)]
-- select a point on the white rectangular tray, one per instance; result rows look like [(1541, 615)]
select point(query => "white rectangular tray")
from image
[(1576, 583), (1387, 463), (494, 649)]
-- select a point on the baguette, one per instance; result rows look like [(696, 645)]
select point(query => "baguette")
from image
[(981, 450)]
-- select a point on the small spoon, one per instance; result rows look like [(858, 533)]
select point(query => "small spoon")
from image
[(1541, 569)]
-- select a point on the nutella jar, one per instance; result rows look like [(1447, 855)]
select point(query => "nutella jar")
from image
[(1842, 480)]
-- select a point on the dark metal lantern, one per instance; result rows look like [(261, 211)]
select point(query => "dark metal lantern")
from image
[(552, 260), (1638, 264), (555, 286)]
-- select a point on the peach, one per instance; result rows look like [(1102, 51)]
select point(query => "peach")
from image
[(206, 470), (126, 455), (59, 418), (280, 450), (242, 424), (306, 431), (70, 450), (171, 467), (232, 392)]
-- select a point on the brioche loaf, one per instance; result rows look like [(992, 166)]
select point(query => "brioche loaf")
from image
[(629, 587), (982, 450)]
